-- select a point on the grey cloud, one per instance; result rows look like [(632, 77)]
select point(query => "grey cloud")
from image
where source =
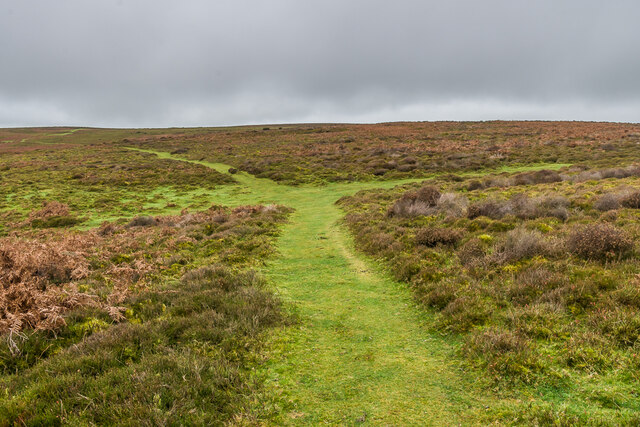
[(196, 62)]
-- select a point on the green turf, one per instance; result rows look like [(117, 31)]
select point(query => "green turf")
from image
[(361, 351)]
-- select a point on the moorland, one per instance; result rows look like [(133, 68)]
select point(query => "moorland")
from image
[(399, 273)]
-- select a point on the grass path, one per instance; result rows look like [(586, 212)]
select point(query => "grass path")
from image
[(360, 352)]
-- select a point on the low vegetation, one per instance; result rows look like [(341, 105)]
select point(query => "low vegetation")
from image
[(126, 296), (296, 154), (157, 318), (538, 279)]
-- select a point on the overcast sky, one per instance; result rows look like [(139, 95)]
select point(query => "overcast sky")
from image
[(217, 62)]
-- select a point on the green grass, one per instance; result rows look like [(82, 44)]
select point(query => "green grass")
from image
[(361, 351)]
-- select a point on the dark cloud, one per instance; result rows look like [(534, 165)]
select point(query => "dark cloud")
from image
[(164, 63)]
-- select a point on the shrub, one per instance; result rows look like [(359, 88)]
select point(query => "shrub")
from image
[(474, 185), (600, 242), (546, 176), (409, 160), (376, 242), (553, 206), (416, 203), (520, 244), (607, 202), (406, 168), (471, 252), (614, 173), (631, 200), (525, 207), (432, 236), (437, 294), (493, 209), (588, 176), (428, 194), (453, 205), (543, 176), (405, 267)]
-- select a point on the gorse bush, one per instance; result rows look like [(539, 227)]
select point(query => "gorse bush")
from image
[(600, 242)]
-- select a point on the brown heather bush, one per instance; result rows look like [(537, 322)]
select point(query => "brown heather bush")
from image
[(472, 252), (552, 206), (437, 294), (596, 175), (375, 242), (525, 207), (453, 205), (406, 168), (432, 236), (607, 202), (416, 203), (588, 175), (474, 185), (520, 244), (494, 209), (599, 242), (428, 194), (631, 200), (543, 176), (142, 221), (609, 216)]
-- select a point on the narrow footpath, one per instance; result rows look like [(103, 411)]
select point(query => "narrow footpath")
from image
[(360, 353)]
